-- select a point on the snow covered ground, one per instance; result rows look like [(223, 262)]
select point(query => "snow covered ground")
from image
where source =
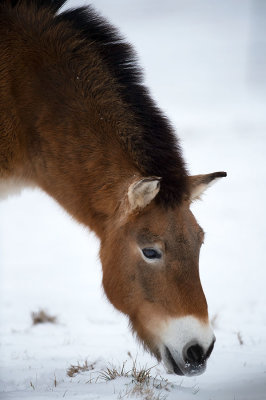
[(201, 63)]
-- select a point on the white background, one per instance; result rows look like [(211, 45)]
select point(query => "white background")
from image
[(204, 62)]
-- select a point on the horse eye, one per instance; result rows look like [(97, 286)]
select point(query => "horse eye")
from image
[(151, 253)]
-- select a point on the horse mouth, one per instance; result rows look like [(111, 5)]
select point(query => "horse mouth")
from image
[(171, 360)]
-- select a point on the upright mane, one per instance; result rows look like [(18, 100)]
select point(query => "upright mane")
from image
[(153, 147)]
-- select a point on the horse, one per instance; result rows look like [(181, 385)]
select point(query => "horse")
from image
[(77, 121)]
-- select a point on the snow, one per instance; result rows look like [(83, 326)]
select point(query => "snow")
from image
[(201, 66)]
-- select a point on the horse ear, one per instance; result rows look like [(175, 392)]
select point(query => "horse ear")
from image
[(142, 192), (199, 183)]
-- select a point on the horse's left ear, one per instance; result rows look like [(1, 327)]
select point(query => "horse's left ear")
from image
[(142, 192), (199, 183)]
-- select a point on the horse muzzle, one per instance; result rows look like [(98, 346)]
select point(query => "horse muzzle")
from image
[(193, 363), (187, 343)]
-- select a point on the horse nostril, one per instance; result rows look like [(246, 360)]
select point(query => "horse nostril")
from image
[(194, 354)]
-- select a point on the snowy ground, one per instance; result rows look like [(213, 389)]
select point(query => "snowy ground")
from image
[(201, 66)]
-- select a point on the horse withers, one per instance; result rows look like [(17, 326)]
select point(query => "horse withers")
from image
[(77, 121)]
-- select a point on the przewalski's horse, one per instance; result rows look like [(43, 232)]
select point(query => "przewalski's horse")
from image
[(77, 121)]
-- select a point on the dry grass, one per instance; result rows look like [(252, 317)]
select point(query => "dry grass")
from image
[(144, 392), (141, 385), (138, 374), (42, 317), (110, 373), (240, 339), (76, 369)]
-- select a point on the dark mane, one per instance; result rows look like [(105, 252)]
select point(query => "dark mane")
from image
[(154, 148)]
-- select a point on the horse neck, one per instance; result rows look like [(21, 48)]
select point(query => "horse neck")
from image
[(69, 131), (74, 153), (83, 166)]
